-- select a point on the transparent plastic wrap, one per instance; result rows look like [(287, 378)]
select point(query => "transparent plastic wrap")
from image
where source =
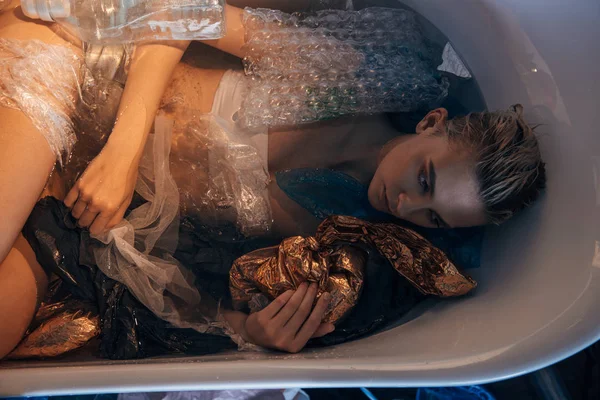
[(309, 67), (139, 252), (221, 178), (128, 328), (43, 81), (71, 98), (112, 22)]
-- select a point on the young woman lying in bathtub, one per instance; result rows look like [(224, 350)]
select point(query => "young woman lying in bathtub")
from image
[(453, 173)]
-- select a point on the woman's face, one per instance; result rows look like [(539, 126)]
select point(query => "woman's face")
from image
[(421, 179)]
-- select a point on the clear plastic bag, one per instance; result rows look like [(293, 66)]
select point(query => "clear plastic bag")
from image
[(69, 97), (139, 252), (118, 21), (43, 81), (316, 66)]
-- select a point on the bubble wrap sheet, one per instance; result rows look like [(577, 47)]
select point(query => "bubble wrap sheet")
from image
[(318, 66), (221, 178)]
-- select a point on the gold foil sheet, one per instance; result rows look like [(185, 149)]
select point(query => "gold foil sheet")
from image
[(58, 334), (335, 259)]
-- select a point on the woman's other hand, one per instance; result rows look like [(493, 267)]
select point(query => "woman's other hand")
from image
[(290, 320), (102, 194)]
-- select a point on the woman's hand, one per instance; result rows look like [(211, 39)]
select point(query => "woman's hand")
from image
[(102, 194), (287, 323)]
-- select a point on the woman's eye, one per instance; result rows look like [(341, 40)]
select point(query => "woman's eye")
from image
[(423, 181)]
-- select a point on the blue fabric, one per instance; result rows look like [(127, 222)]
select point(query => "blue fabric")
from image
[(324, 192), (457, 393)]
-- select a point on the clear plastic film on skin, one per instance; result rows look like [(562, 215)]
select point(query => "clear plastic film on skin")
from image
[(221, 178), (43, 82), (70, 97), (139, 251), (316, 66), (192, 169)]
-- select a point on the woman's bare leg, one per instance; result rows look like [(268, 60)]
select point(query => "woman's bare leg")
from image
[(22, 283), (25, 164)]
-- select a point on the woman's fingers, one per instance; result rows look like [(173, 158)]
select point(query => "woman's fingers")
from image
[(72, 197), (117, 217), (313, 322), (100, 223), (79, 208), (292, 306), (296, 321), (87, 218), (276, 305), (324, 329)]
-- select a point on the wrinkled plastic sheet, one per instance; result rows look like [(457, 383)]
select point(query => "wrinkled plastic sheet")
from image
[(60, 327), (68, 95), (129, 330), (335, 260), (309, 67)]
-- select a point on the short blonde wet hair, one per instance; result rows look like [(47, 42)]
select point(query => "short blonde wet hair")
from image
[(508, 162)]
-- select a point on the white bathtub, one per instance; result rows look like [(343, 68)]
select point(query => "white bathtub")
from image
[(539, 295)]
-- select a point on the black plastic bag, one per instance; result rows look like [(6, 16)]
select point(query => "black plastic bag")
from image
[(129, 330), (386, 297)]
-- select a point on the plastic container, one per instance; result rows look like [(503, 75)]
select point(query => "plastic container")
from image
[(118, 21), (539, 295)]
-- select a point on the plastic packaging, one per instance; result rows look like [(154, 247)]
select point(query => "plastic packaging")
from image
[(42, 81), (139, 252), (249, 394), (129, 329), (122, 21), (62, 327), (318, 66), (333, 259), (221, 178), (71, 99)]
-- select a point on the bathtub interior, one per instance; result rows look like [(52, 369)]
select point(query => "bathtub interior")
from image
[(538, 299)]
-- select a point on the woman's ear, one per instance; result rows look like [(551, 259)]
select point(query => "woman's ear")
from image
[(434, 119)]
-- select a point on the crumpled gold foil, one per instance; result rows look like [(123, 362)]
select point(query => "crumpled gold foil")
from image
[(334, 259), (61, 331)]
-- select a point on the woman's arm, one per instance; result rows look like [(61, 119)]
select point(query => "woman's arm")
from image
[(234, 38), (101, 196)]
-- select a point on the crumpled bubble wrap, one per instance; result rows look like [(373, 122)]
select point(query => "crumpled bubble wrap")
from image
[(63, 327), (335, 258), (221, 178), (316, 66)]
